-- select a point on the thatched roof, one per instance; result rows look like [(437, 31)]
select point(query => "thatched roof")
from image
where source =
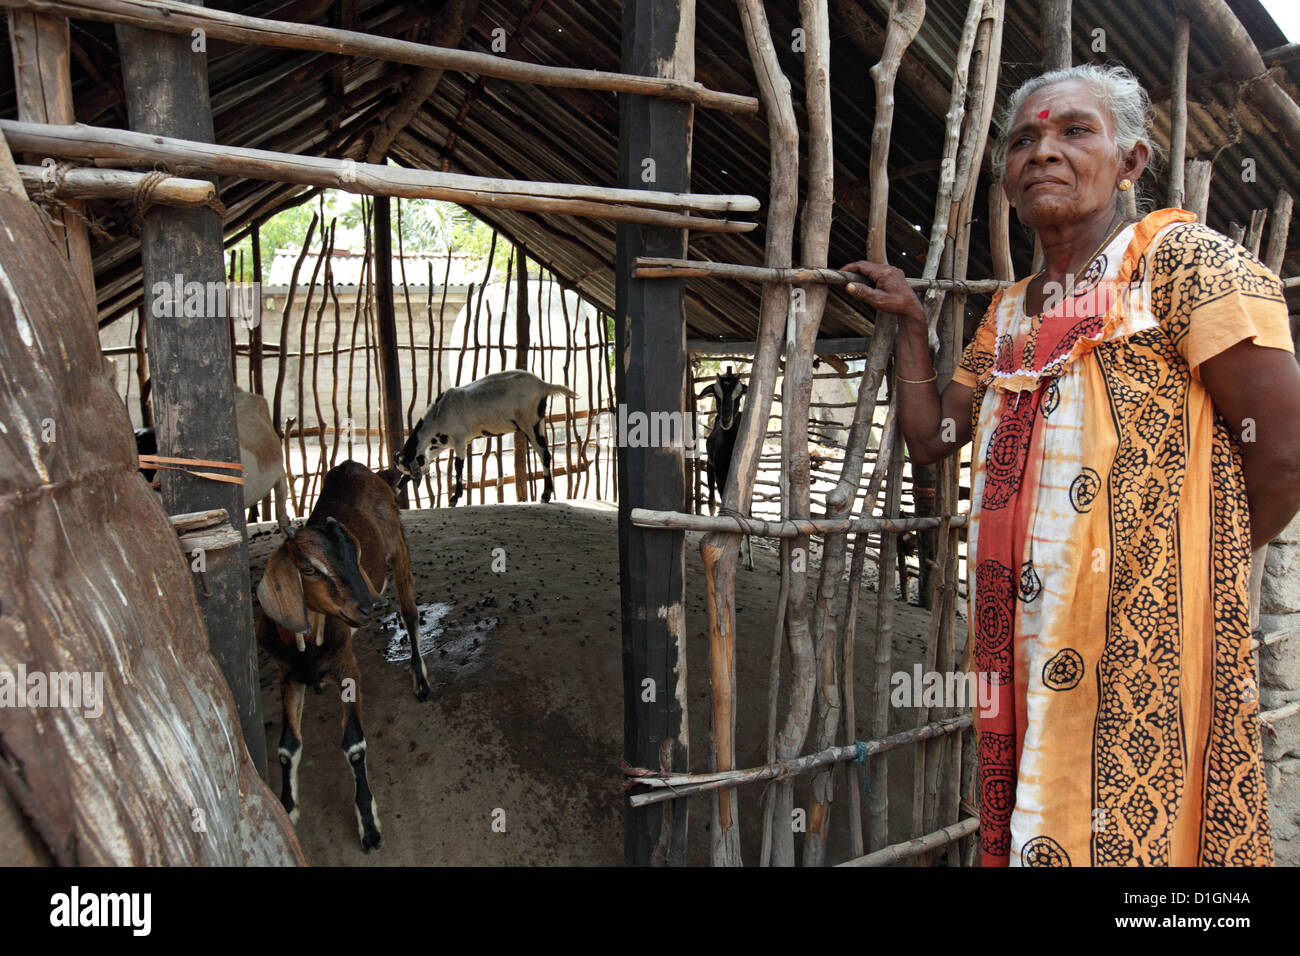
[(323, 104)]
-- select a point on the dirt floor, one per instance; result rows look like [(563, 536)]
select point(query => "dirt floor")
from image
[(528, 729)]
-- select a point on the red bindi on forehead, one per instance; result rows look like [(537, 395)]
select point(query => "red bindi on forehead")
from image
[(1043, 114)]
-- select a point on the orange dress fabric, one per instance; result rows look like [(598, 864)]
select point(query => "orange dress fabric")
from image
[(1109, 544)]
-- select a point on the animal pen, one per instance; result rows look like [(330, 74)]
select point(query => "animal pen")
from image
[(153, 172)]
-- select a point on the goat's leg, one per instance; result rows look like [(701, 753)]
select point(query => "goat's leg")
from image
[(747, 553), (708, 472), (538, 441), (281, 494), (400, 563), (354, 748), (460, 471), (292, 695)]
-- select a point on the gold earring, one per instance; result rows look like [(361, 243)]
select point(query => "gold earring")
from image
[(1125, 185)]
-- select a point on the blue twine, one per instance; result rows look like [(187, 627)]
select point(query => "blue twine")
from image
[(862, 753)]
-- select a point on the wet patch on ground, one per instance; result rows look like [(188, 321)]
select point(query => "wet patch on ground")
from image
[(451, 647)]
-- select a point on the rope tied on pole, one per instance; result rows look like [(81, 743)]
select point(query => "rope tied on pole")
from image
[(54, 176)]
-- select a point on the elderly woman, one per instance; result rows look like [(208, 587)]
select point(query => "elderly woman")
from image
[(1135, 408)]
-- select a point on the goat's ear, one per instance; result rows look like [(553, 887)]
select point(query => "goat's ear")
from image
[(706, 391), (375, 596), (280, 593)]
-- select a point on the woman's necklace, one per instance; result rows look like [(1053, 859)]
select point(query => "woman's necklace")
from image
[(1092, 258), (1075, 280)]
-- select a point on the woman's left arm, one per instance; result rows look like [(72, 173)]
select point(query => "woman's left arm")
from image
[(1257, 391)]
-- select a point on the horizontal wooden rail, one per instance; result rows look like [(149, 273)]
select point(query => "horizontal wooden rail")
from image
[(83, 183), (622, 205), (931, 841), (1280, 713), (790, 528), (672, 786), (845, 346), (649, 267), (171, 17)]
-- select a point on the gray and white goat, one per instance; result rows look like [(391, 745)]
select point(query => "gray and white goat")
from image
[(496, 404)]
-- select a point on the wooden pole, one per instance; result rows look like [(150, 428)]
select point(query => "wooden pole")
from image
[(796, 394), (41, 54), (521, 361), (1198, 187), (1255, 233), (1057, 53), (386, 331), (142, 371), (658, 40), (81, 183), (255, 333), (620, 205), (1178, 114), (286, 314), (686, 784), (1275, 253), (649, 267), (1000, 234), (166, 90), (922, 844), (164, 15), (878, 766), (719, 551), (935, 767)]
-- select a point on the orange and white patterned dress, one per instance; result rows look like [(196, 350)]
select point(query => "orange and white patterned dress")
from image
[(1110, 551)]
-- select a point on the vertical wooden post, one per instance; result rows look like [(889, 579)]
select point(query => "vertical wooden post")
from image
[(1198, 176), (796, 395), (650, 331), (166, 85), (41, 52), (1057, 53), (1279, 229), (1178, 113), (386, 331), (522, 487), (142, 372), (255, 333)]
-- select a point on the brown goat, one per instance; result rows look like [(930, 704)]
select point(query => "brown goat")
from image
[(320, 583)]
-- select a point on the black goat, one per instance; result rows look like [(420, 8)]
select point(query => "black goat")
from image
[(727, 391)]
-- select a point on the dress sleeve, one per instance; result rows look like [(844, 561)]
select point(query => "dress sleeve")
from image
[(978, 356), (1211, 293)]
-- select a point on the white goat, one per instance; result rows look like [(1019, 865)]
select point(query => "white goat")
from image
[(496, 404), (259, 453)]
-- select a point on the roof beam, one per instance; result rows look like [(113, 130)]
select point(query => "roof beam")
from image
[(171, 17)]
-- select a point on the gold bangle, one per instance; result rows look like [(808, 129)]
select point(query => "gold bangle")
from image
[(922, 381)]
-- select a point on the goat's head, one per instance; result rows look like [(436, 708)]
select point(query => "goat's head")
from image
[(318, 568), (726, 391), (413, 459)]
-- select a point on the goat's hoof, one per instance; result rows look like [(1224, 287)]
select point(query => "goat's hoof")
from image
[(422, 691), (370, 841)]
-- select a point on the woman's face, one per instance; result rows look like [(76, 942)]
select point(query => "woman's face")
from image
[(1062, 161)]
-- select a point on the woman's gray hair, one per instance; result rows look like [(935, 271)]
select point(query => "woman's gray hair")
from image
[(1119, 93)]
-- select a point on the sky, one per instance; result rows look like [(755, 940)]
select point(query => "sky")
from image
[(1286, 14)]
